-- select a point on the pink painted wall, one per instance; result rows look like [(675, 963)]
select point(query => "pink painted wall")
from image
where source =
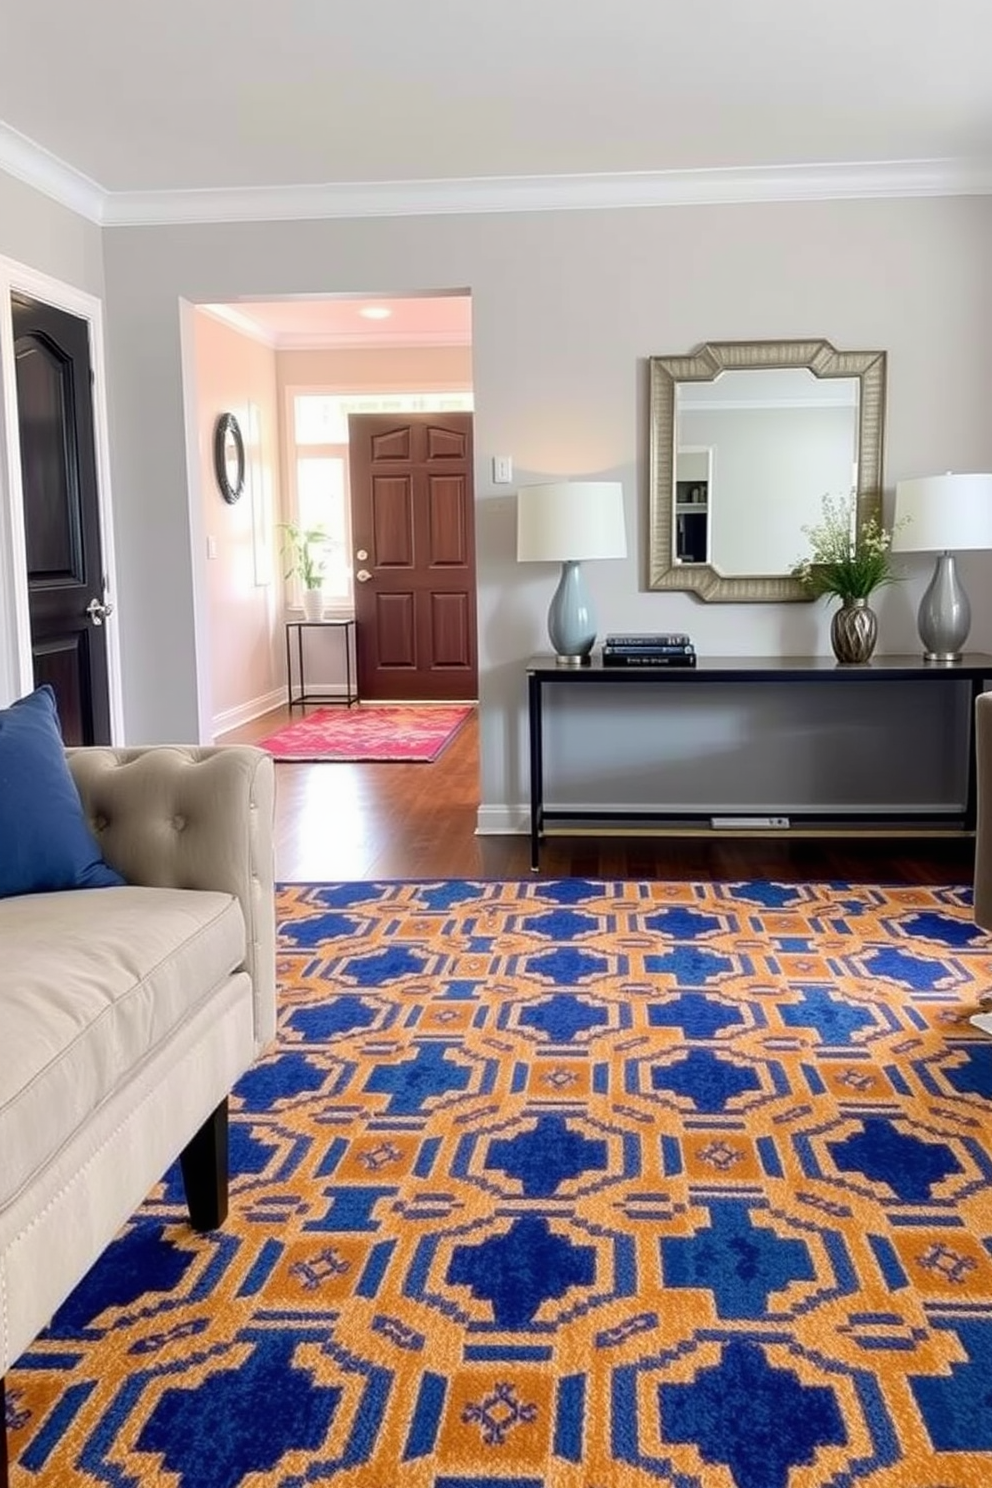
[(245, 636), (373, 369)]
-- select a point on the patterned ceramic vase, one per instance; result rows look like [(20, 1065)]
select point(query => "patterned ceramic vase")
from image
[(854, 631)]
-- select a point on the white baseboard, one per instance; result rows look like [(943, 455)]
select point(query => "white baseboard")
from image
[(232, 718), (325, 689), (405, 702), (502, 821)]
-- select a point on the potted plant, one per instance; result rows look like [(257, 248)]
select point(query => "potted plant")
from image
[(302, 550), (849, 559)]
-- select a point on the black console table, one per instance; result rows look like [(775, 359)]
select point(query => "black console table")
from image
[(543, 672), (296, 692)]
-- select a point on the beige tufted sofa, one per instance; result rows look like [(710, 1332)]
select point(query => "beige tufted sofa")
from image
[(127, 1014), (983, 833)]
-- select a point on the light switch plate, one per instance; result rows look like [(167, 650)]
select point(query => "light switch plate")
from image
[(502, 470)]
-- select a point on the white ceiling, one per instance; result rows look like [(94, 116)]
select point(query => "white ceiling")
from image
[(249, 93), (430, 320)]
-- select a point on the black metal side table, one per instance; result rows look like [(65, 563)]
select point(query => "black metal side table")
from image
[(296, 692)]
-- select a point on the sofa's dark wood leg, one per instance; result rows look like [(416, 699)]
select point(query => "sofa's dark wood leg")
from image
[(4, 1479), (204, 1165)]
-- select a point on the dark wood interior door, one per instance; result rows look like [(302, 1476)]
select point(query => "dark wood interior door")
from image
[(413, 541), (62, 515)]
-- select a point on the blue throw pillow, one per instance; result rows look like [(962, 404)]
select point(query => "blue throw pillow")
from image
[(45, 841)]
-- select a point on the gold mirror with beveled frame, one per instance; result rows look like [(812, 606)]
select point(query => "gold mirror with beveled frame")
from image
[(764, 417)]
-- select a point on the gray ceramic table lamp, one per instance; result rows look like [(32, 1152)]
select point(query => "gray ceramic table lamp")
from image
[(942, 514), (567, 522)]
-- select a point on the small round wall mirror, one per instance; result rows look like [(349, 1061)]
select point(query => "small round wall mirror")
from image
[(229, 457)]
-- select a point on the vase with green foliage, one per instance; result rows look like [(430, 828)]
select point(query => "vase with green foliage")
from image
[(850, 558), (302, 550)]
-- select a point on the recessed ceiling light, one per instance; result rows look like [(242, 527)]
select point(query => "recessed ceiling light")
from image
[(375, 312)]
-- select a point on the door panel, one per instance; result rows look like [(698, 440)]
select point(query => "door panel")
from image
[(450, 630), (395, 621), (51, 494), (447, 531), (391, 444), (392, 515), (444, 443), (412, 503), (59, 663), (61, 514)]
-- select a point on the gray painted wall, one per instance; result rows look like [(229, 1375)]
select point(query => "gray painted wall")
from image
[(566, 309), (38, 232)]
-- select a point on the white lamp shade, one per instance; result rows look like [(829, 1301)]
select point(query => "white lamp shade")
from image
[(570, 520), (943, 513)]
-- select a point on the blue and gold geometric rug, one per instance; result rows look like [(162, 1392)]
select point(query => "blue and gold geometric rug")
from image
[(568, 1184)]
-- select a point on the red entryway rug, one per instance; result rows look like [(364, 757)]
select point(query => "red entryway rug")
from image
[(396, 734)]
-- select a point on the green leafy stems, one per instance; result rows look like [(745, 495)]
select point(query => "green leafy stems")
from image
[(848, 558), (302, 551)]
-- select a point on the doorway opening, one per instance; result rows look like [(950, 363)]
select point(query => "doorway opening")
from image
[(295, 373)]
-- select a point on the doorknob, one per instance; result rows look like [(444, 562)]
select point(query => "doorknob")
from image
[(361, 555), (363, 576), (98, 612)]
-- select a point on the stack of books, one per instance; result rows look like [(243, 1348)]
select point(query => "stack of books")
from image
[(659, 650)]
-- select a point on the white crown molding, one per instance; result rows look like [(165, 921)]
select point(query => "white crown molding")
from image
[(361, 340), (37, 167), (237, 320), (29, 162), (906, 178)]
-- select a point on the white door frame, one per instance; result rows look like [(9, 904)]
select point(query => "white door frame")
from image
[(16, 665), (197, 524)]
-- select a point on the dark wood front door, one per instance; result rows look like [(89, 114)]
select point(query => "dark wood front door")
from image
[(412, 516), (62, 515)]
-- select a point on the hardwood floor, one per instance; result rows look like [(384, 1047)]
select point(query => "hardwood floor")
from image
[(349, 822)]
